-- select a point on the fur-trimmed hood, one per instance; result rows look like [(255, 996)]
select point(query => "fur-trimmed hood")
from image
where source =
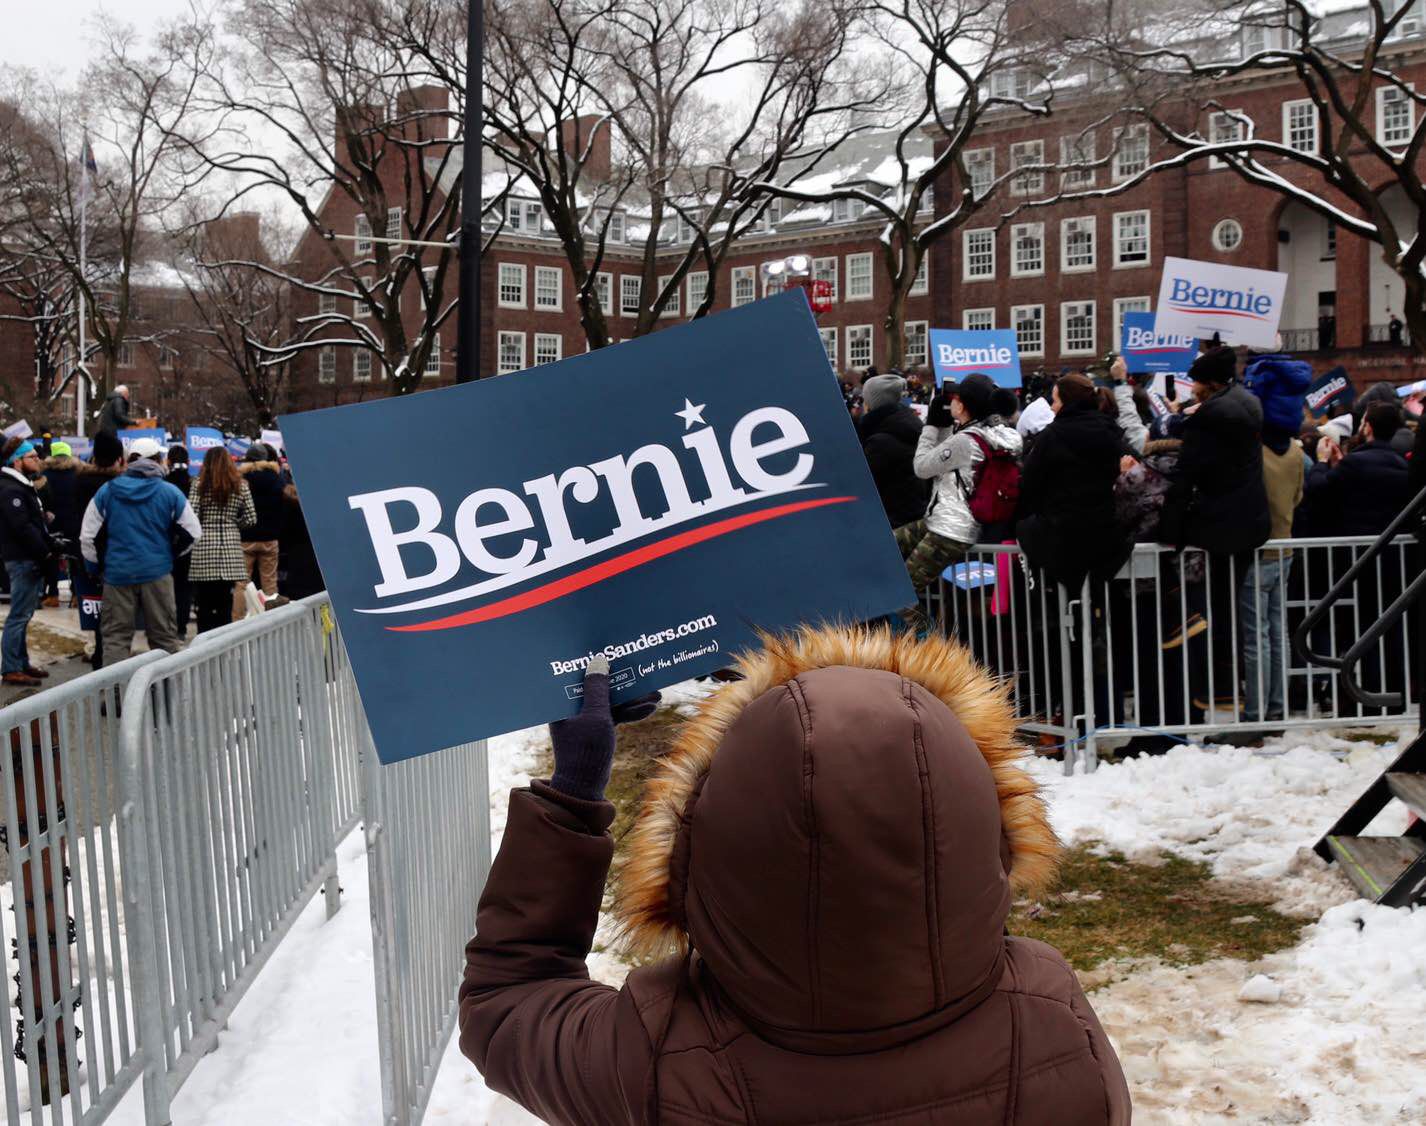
[(62, 462), (246, 467), (838, 834)]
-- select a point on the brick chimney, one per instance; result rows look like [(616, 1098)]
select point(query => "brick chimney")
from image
[(577, 136)]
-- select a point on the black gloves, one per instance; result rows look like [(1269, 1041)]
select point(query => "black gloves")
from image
[(939, 412), (584, 745)]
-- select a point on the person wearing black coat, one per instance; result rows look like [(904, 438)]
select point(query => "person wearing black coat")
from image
[(1367, 488), (298, 575), (179, 477), (114, 415), (1218, 501), (25, 549), (1067, 527), (263, 474), (889, 432), (106, 463)]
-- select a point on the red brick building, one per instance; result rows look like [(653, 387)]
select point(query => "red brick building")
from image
[(1064, 275)]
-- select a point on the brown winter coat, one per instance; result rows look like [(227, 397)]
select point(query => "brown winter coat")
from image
[(835, 842)]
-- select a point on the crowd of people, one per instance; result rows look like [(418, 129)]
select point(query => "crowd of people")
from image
[(146, 540), (1083, 466)]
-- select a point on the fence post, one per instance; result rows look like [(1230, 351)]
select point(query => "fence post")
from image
[(317, 727), (134, 845)]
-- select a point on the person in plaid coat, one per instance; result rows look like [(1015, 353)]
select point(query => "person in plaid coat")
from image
[(225, 506)]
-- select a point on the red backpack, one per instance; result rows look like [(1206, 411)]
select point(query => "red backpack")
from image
[(996, 491)]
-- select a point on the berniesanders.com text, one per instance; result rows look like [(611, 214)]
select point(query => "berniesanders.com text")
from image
[(637, 645)]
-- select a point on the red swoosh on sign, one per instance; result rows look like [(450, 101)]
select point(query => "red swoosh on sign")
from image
[(615, 566), (1218, 312)]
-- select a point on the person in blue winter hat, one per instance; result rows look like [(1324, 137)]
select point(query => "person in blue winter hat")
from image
[(1280, 383)]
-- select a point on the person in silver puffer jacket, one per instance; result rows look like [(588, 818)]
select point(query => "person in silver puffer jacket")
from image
[(948, 456)]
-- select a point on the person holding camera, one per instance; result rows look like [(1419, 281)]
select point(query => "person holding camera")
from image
[(26, 548)]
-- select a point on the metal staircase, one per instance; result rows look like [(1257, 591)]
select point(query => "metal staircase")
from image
[(1386, 870)]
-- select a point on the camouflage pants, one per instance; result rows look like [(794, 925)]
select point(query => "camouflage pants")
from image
[(926, 553)]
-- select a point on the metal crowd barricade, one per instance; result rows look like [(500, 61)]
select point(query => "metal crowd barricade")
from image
[(1114, 659), (230, 826), (72, 1044), (428, 836)]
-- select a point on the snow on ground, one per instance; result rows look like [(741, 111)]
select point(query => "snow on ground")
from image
[(1345, 1042)]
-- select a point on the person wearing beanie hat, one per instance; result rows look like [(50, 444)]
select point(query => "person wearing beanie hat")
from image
[(889, 431), (25, 549), (1215, 368), (962, 431), (147, 523)]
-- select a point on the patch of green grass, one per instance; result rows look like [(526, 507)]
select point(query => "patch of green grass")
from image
[(1106, 907)]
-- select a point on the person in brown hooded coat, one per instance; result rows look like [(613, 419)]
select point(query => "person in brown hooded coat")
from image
[(829, 852)]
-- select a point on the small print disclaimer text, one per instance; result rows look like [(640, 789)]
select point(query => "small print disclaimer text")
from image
[(645, 642)]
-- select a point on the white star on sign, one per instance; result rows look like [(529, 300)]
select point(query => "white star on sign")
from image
[(691, 415)]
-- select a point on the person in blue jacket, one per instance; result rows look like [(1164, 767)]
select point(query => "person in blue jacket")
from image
[(132, 530)]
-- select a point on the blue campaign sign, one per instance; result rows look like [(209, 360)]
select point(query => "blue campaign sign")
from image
[(1330, 389), (956, 353), (128, 437), (1144, 350), (657, 502), (199, 440), (239, 446)]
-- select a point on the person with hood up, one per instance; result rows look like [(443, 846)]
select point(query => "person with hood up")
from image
[(961, 429), (889, 431), (260, 469), (147, 522), (1067, 526), (114, 415), (1280, 384), (826, 859)]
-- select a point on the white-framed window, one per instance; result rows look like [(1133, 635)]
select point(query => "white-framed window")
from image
[(1227, 235), (1076, 328), (1024, 154), (1077, 244), (1027, 250), (825, 269), (697, 289), (1131, 151), (980, 171), (921, 283), (360, 309), (327, 364), (1029, 322), (1124, 305), (510, 351), (616, 227), (549, 288), (1410, 23), (916, 342), (362, 230), (604, 292), (979, 254), (1329, 241), (394, 216), (433, 358), (978, 319), (166, 357), (858, 346), (549, 348), (631, 289), (1395, 116), (327, 304), (1078, 149), (125, 357), (845, 210), (1258, 37), (671, 306), (523, 215), (1012, 82), (1299, 126), (772, 214), (859, 279), (688, 231), (772, 282), (361, 366), (511, 288), (745, 284), (1225, 128), (829, 344), (1131, 238)]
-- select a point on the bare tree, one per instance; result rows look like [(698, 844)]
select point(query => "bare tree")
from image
[(610, 114), (125, 105), (314, 103), (1363, 135), (959, 64)]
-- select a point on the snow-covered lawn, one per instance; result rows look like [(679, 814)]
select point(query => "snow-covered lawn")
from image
[(1343, 1043)]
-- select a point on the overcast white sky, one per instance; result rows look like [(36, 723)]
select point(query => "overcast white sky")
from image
[(54, 36)]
